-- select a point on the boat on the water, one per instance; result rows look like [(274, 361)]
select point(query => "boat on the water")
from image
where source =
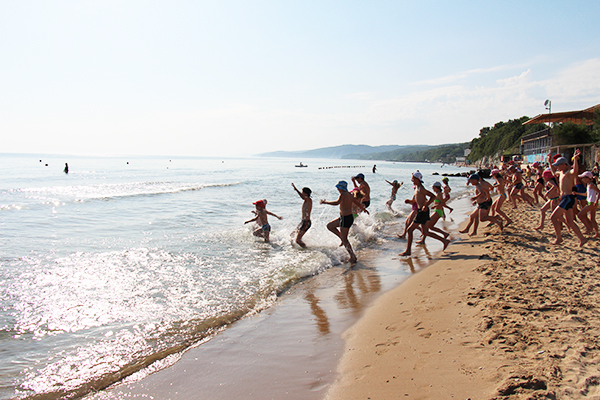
[(301, 165)]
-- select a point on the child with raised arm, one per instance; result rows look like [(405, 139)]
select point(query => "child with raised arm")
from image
[(552, 196), (306, 209), (592, 192), (446, 189), (341, 226), (261, 216), (395, 187), (420, 197), (566, 181)]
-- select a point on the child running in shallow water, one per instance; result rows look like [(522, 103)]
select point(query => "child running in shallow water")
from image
[(341, 226), (446, 189), (261, 216), (422, 218), (438, 212), (395, 187), (592, 192), (306, 209)]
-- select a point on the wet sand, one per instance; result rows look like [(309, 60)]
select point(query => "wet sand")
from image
[(290, 351), (500, 316)]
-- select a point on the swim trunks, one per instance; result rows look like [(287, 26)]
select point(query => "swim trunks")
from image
[(422, 217), (266, 228), (567, 202), (393, 198), (540, 180), (519, 186), (346, 221), (366, 203), (304, 225), (484, 205)]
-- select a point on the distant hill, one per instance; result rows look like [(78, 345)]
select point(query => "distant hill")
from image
[(443, 153), (342, 151)]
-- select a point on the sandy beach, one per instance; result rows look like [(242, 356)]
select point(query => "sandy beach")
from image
[(500, 316)]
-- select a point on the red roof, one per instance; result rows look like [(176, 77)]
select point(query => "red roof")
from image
[(576, 117)]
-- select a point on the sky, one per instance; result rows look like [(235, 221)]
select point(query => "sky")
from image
[(230, 78)]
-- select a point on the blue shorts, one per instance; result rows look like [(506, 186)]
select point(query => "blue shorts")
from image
[(266, 228), (567, 202)]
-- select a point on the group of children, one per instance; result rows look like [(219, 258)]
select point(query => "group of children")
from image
[(567, 193)]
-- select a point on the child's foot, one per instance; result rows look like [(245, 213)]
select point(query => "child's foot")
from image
[(301, 243), (446, 243), (451, 209), (557, 242), (464, 231), (584, 241), (353, 260), (537, 228), (406, 253)]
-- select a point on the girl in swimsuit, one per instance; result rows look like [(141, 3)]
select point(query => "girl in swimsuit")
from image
[(438, 211), (500, 187), (552, 195), (592, 192)]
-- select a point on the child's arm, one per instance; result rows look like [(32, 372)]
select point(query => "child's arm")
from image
[(251, 220), (431, 198), (299, 192), (389, 182), (576, 162), (276, 216), (332, 203)]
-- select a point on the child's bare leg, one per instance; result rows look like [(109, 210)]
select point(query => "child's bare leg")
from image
[(409, 239), (347, 245), (573, 225), (556, 219), (299, 237), (333, 228), (583, 218), (543, 210), (427, 232), (471, 221)]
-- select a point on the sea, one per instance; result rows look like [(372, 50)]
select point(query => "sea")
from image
[(125, 261)]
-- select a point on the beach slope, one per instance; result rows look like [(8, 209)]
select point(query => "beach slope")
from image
[(500, 316)]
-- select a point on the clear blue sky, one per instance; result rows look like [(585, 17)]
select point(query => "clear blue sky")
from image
[(242, 77)]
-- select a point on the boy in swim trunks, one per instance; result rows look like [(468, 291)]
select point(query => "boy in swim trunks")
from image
[(484, 202), (341, 226), (395, 187), (420, 198), (566, 181), (261, 216), (306, 209)]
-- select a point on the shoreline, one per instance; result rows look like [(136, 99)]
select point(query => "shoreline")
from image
[(292, 349), (499, 316)]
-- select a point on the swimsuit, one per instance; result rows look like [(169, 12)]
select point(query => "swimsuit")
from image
[(346, 221), (485, 205), (367, 203), (579, 188), (266, 228), (592, 195), (422, 217), (440, 212), (540, 180), (304, 225), (393, 197), (519, 186), (567, 202)]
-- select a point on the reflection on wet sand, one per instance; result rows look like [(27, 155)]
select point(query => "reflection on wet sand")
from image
[(318, 312), (359, 281)]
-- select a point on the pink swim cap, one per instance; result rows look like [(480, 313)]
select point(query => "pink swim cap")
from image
[(548, 174), (495, 171)]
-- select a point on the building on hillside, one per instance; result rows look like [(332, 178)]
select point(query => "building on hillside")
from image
[(536, 146)]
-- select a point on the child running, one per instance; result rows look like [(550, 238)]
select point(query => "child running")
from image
[(261, 216), (566, 181), (590, 223), (420, 198), (340, 226), (438, 212), (500, 187), (395, 187), (484, 201), (552, 196), (447, 191), (306, 209)]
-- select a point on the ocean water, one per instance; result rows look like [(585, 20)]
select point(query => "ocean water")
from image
[(127, 261)]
